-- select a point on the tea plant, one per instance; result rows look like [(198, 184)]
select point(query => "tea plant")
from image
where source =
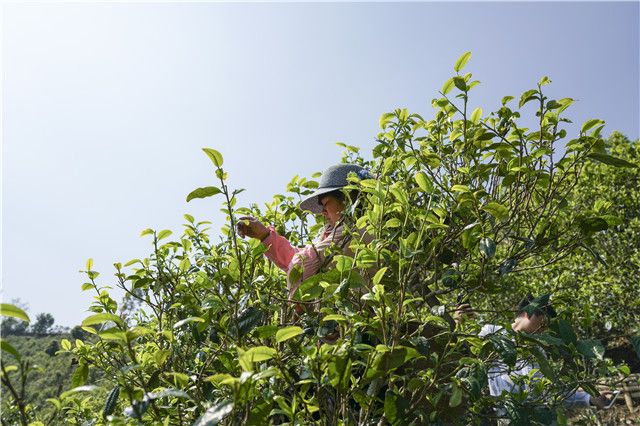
[(456, 206)]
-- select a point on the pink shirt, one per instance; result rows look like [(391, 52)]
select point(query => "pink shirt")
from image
[(310, 257)]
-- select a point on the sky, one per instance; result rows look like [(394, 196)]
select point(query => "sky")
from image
[(106, 106)]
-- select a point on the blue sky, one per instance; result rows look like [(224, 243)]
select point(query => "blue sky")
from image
[(106, 106)]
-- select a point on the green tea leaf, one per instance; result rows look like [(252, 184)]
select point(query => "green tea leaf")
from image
[(592, 224), (378, 276), (6, 346), (343, 263), (544, 81), (591, 348), (506, 100), (334, 317), (259, 353), (102, 318), (80, 375), (505, 347), (395, 408), (9, 310), (460, 188), (462, 61), (386, 119), (393, 223), (566, 332), (497, 210), (287, 333), (214, 155), (487, 247), (111, 401), (447, 86), (265, 331), (456, 396), (204, 192), (164, 234), (476, 115), (543, 363), (248, 320), (460, 83), (590, 124), (423, 181), (610, 160), (527, 96), (143, 233)]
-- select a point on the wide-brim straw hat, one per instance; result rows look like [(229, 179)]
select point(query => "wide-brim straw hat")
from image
[(335, 177)]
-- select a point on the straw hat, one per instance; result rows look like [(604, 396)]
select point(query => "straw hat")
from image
[(335, 177)]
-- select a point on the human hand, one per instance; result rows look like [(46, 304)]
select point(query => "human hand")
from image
[(602, 400), (249, 226), (462, 312)]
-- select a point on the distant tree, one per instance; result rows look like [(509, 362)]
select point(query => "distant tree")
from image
[(43, 323), (78, 333), (54, 347), (59, 329)]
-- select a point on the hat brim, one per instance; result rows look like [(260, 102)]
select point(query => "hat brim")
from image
[(312, 202)]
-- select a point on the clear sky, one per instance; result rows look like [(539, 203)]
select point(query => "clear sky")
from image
[(105, 106)]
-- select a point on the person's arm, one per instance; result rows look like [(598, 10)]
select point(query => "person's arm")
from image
[(312, 257), (583, 399), (279, 250), (577, 399)]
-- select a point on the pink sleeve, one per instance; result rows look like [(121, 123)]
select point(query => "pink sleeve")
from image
[(312, 257), (280, 251), (286, 257)]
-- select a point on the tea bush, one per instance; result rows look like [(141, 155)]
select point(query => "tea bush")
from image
[(456, 206)]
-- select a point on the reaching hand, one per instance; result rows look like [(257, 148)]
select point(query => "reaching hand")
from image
[(602, 400), (249, 226), (462, 311)]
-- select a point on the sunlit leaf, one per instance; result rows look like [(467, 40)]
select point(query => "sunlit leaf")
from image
[(590, 124), (7, 347), (259, 353), (462, 61), (9, 310), (287, 333), (164, 234), (101, 318), (423, 182), (497, 210), (214, 155), (447, 86), (379, 274), (204, 192), (476, 115)]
